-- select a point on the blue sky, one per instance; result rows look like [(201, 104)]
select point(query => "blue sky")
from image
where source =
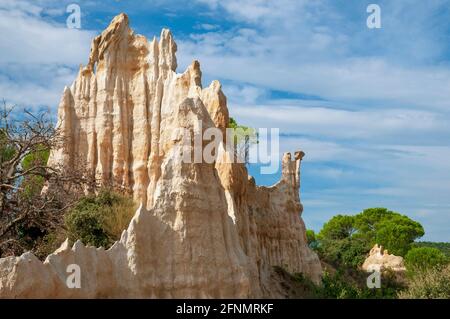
[(370, 107)]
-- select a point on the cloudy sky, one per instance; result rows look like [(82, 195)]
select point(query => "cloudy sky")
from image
[(370, 107)]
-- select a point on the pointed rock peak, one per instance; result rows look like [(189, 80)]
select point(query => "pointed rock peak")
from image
[(120, 19), (78, 245), (166, 34), (168, 48), (117, 25), (290, 169), (65, 99), (67, 91), (215, 85), (28, 256), (118, 28), (65, 246), (299, 155), (196, 73), (195, 65), (140, 211)]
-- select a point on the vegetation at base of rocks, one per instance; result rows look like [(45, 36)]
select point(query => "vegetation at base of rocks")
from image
[(41, 204), (98, 220), (346, 284), (429, 283), (353, 285)]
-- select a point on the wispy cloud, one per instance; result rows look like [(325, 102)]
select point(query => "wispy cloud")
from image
[(38, 57), (320, 48), (27, 38)]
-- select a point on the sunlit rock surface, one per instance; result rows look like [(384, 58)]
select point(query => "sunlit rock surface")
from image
[(379, 259)]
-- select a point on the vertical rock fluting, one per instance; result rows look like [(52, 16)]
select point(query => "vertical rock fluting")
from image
[(203, 229)]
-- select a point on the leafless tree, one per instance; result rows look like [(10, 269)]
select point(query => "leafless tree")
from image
[(26, 212)]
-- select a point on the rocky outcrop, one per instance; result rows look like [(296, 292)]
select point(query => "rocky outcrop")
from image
[(379, 259), (203, 229)]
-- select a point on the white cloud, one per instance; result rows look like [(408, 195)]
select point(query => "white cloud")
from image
[(43, 88), (396, 124), (27, 38), (207, 26), (38, 57), (315, 47), (352, 79)]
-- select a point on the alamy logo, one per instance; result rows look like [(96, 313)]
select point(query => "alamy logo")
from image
[(198, 145), (74, 279), (374, 280), (374, 19), (74, 19)]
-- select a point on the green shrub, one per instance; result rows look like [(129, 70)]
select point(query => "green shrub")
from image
[(424, 257), (86, 225), (347, 283), (348, 252), (432, 283), (335, 286), (443, 247), (99, 220)]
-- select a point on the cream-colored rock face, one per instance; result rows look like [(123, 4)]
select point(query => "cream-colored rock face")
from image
[(379, 259), (202, 230)]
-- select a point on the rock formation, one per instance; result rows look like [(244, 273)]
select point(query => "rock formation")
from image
[(203, 229), (379, 259)]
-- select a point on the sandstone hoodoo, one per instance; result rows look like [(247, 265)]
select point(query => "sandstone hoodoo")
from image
[(203, 229), (379, 259)]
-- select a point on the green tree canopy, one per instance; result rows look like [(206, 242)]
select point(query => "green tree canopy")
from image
[(347, 239), (392, 230), (338, 227)]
